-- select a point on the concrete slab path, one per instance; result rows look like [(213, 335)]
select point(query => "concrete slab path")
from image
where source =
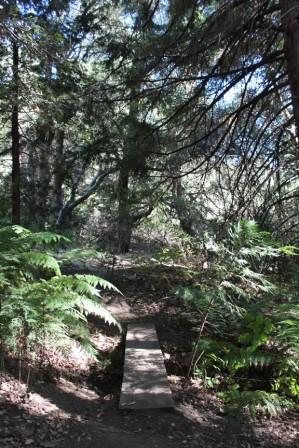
[(145, 384)]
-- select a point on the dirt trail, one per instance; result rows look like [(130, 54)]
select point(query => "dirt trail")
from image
[(81, 409)]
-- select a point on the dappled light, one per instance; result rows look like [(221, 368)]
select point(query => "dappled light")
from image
[(149, 223)]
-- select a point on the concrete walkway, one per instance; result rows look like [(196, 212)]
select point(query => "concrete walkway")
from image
[(145, 384)]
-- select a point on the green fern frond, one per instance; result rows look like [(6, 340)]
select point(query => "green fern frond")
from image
[(88, 348), (44, 311), (240, 359), (255, 402), (43, 238), (41, 260), (79, 254), (289, 250), (97, 281)]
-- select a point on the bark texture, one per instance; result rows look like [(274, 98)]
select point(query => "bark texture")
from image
[(125, 223), (181, 207), (290, 23), (15, 140)]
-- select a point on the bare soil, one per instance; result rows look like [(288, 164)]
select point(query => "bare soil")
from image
[(74, 403)]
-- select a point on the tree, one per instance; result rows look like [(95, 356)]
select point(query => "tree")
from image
[(232, 55), (289, 19), (132, 97), (23, 21), (15, 138)]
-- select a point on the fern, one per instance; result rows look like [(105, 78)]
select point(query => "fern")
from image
[(97, 281), (256, 402), (38, 305), (241, 331), (41, 260), (79, 254), (287, 320)]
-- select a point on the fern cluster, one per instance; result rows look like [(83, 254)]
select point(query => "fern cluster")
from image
[(257, 401), (39, 306), (248, 342)]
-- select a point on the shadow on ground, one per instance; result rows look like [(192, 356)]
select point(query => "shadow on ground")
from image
[(85, 414), (98, 423)]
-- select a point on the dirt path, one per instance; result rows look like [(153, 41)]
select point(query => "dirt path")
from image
[(81, 408), (66, 416)]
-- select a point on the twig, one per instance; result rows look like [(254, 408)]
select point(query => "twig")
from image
[(192, 364)]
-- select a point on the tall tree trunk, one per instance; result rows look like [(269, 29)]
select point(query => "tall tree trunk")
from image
[(45, 139), (279, 206), (181, 207), (15, 139), (290, 23), (31, 185), (125, 223), (59, 173)]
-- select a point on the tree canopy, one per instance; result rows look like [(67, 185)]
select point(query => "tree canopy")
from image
[(168, 128)]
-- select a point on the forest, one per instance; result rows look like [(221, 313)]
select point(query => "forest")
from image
[(149, 172)]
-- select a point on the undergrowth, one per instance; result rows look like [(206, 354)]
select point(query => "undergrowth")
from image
[(40, 307), (248, 326)]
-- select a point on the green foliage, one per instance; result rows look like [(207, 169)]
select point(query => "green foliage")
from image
[(38, 305), (256, 402), (241, 262), (4, 205), (243, 331), (79, 255), (169, 254)]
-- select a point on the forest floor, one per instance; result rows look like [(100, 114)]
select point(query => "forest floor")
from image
[(75, 403)]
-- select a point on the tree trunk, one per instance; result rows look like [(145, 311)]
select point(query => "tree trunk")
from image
[(15, 139), (125, 224), (31, 187), (64, 218), (181, 207), (44, 181), (290, 23), (125, 221), (59, 173)]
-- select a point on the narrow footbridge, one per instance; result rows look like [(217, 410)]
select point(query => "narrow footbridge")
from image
[(145, 384)]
